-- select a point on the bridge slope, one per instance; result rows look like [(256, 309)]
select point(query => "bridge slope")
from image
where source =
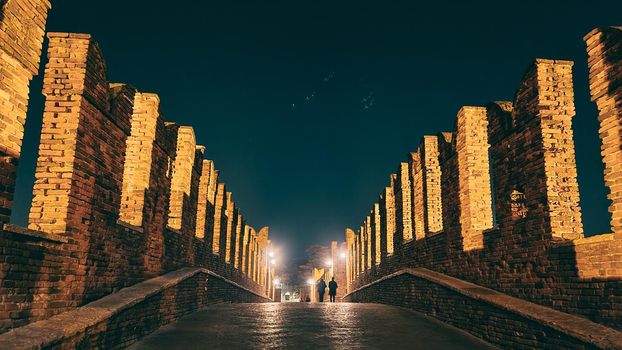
[(119, 319), (488, 314)]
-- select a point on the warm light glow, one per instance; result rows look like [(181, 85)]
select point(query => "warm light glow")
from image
[(277, 281), (273, 261), (329, 263), (343, 255), (310, 281), (271, 254)]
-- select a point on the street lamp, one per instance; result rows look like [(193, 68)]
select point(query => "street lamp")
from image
[(344, 255), (311, 283)]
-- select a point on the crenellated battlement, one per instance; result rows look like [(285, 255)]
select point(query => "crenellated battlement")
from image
[(124, 195), (496, 201), (121, 195)]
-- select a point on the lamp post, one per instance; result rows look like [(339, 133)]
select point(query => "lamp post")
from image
[(277, 290), (311, 284), (271, 273), (329, 265)]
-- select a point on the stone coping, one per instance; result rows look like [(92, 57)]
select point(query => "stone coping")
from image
[(595, 239), (54, 330), (580, 328), (27, 233), (605, 237), (174, 230), (130, 226)]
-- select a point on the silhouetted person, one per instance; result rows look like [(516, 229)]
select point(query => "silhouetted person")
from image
[(332, 289), (321, 289)]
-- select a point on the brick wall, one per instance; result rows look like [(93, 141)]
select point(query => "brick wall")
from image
[(504, 321), (230, 214), (219, 216), (22, 25), (120, 196), (120, 319), (604, 48), (496, 201)]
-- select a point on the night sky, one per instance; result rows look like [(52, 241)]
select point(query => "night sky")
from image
[(307, 106)]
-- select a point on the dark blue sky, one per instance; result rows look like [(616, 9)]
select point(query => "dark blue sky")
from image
[(377, 74)]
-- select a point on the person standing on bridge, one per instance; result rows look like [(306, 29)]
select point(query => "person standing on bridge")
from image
[(321, 289), (332, 289)]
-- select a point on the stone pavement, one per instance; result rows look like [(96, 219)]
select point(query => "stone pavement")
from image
[(308, 326)]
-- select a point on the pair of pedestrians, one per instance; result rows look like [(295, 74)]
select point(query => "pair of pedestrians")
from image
[(332, 289)]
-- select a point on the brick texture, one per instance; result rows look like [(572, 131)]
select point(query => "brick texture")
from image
[(403, 204), (117, 197), (230, 214), (496, 201), (604, 49), (508, 327), (473, 176), (22, 26), (117, 321)]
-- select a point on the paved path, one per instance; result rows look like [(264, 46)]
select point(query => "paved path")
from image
[(308, 326)]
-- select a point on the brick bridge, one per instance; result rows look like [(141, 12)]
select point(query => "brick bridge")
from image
[(130, 229)]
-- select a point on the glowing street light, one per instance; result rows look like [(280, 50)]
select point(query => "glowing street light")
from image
[(343, 255), (271, 254), (277, 281), (311, 284), (329, 263)]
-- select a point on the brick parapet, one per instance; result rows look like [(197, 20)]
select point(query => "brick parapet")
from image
[(118, 320), (202, 201), (108, 164), (219, 213), (230, 214), (181, 180), (211, 207), (375, 234), (416, 180), (459, 302), (432, 179), (403, 204), (22, 28), (473, 176), (350, 257), (368, 241), (252, 248), (508, 200), (425, 179), (139, 156), (262, 243), (604, 50), (238, 224), (245, 249)]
